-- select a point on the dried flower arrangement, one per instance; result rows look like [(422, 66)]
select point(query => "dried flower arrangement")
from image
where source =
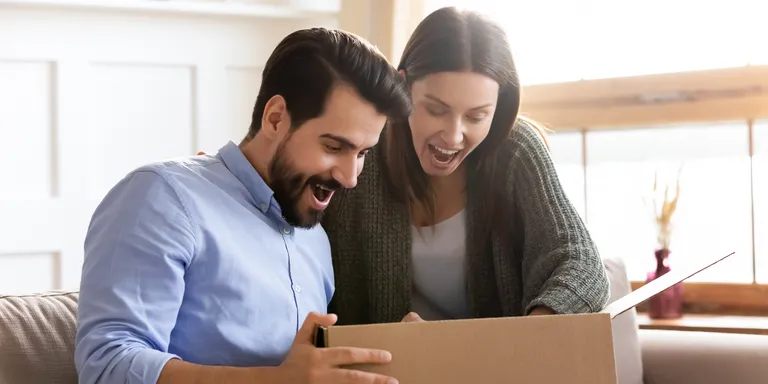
[(668, 304), (663, 216)]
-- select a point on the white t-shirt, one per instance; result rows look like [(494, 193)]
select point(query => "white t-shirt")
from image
[(438, 259)]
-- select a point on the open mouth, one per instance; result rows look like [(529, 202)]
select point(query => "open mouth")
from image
[(443, 156), (322, 193)]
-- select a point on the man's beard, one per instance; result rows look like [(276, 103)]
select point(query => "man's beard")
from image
[(288, 187)]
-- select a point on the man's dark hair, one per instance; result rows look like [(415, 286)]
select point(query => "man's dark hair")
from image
[(309, 63)]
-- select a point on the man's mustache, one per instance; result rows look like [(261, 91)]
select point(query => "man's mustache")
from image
[(330, 184)]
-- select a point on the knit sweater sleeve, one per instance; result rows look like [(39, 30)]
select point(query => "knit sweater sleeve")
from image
[(561, 266)]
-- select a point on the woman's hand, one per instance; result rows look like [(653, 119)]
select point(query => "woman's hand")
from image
[(412, 317), (539, 311)]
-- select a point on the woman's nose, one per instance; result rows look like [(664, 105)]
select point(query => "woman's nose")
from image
[(454, 135)]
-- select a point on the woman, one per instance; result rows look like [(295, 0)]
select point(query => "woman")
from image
[(459, 212)]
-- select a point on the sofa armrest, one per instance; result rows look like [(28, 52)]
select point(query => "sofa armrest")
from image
[(673, 357)]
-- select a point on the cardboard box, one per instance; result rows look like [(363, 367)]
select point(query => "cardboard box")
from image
[(575, 349)]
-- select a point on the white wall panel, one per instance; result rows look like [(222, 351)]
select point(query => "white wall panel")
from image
[(242, 85), (86, 96), (29, 272), (26, 130), (139, 113)]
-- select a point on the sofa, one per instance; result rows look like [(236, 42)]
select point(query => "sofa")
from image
[(37, 342)]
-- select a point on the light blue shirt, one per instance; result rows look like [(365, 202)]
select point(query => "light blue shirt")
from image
[(192, 259)]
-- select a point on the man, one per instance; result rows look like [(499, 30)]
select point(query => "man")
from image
[(203, 269)]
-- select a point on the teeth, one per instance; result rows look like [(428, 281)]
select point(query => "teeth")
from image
[(445, 151), (322, 187)]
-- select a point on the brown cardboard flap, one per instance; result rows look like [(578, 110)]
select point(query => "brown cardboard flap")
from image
[(535, 349), (657, 286)]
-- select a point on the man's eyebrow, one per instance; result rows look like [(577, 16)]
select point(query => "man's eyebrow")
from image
[(437, 100), (346, 143)]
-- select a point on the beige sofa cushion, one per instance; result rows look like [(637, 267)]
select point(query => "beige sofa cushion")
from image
[(37, 334), (672, 357)]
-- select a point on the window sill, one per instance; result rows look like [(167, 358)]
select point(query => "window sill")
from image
[(752, 325), (748, 300)]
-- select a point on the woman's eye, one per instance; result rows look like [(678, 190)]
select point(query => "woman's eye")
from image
[(476, 118), (435, 111)]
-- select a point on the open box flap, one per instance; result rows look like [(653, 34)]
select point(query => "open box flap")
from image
[(657, 286)]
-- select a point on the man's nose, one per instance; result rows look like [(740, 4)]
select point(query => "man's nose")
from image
[(346, 174)]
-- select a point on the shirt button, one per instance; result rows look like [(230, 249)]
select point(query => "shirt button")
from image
[(263, 206), (297, 288), (287, 231)]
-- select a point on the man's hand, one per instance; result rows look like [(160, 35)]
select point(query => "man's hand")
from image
[(412, 317), (307, 364)]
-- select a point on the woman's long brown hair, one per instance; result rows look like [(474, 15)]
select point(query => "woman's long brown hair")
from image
[(455, 41)]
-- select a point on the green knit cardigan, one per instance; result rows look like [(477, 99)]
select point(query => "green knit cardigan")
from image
[(552, 261)]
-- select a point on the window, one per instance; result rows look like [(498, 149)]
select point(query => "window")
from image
[(714, 214), (760, 193), (567, 153), (589, 39)]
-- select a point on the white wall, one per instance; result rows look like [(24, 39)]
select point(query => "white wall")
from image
[(87, 95)]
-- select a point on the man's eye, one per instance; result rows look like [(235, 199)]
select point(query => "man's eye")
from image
[(332, 149), (362, 154)]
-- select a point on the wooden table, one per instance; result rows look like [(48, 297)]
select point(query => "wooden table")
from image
[(753, 325)]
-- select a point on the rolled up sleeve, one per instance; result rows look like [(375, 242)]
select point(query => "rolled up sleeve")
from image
[(562, 268), (138, 246)]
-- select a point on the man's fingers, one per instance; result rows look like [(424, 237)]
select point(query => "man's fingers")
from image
[(313, 320), (353, 376), (337, 356)]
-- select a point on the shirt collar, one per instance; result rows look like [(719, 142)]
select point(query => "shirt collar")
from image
[(234, 159)]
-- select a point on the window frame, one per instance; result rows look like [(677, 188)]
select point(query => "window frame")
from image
[(705, 96), (721, 298), (739, 93)]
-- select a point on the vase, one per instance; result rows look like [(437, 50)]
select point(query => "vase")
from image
[(669, 303)]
